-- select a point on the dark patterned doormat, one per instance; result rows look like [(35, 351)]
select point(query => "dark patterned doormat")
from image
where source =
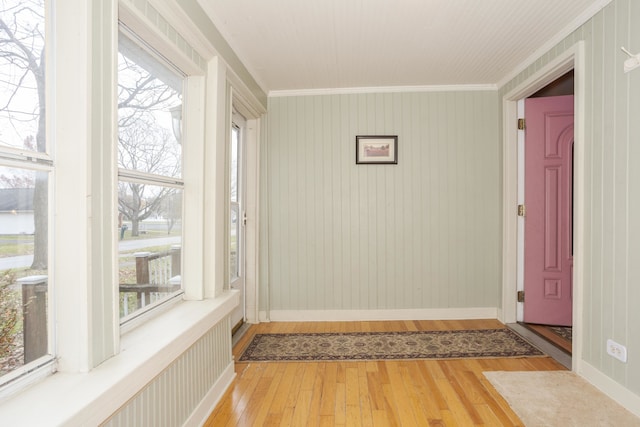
[(483, 343), (565, 332)]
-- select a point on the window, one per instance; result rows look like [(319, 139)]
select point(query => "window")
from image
[(25, 175), (234, 229), (150, 184)]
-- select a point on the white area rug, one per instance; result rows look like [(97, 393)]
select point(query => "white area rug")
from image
[(559, 398)]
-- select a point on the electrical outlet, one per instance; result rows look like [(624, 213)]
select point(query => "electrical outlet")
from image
[(617, 350)]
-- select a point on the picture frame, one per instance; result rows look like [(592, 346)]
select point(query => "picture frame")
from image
[(377, 149)]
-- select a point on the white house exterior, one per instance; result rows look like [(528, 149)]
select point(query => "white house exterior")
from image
[(16, 211)]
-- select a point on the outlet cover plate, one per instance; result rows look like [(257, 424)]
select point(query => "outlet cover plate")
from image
[(617, 350)]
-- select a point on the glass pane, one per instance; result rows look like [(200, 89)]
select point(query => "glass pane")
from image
[(149, 113), (233, 178), (234, 232), (23, 266), (150, 238), (22, 80)]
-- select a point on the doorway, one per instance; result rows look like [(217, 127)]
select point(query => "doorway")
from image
[(511, 311), (546, 189), (547, 232), (237, 217)]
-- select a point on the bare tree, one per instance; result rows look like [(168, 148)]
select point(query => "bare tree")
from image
[(150, 149), (22, 74), (143, 145), (171, 209)]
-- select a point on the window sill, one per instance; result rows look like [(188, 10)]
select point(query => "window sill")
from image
[(90, 398)]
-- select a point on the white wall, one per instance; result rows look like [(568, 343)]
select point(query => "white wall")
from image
[(422, 234)]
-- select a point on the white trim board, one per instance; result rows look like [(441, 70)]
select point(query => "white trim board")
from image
[(370, 315), (383, 89), (611, 388), (201, 414)]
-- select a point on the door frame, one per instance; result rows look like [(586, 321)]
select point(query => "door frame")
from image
[(251, 160), (572, 58), (239, 122)]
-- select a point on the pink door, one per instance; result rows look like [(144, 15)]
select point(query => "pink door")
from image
[(548, 250)]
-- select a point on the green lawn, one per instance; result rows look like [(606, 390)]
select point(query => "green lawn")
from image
[(15, 245)]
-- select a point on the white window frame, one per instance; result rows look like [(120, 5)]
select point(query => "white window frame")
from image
[(128, 175), (96, 355), (37, 161)]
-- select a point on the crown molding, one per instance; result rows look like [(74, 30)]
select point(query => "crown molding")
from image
[(580, 20), (383, 89)]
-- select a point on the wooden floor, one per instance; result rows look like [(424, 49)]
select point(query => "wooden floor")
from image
[(369, 393), (546, 333)]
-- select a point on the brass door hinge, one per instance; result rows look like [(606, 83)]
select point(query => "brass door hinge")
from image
[(520, 296), (521, 210), (521, 124)]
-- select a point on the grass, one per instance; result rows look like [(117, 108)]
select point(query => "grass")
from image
[(16, 245), (22, 244), (150, 234)]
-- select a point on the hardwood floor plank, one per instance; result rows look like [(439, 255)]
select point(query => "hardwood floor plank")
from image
[(454, 404), (414, 396), (465, 395), (286, 384), (429, 381), (390, 405), (270, 394), (404, 409), (301, 408), (233, 402), (352, 395), (316, 395), (327, 421), (425, 393), (341, 403), (329, 387), (364, 398), (287, 417), (376, 395)]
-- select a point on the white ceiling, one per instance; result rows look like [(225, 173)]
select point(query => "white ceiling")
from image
[(292, 45)]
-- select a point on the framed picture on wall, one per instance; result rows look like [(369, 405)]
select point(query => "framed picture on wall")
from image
[(376, 149)]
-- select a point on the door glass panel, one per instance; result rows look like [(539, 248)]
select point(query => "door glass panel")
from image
[(234, 232), (235, 141), (234, 215)]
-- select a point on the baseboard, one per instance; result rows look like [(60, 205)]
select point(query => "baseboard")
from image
[(370, 315), (200, 415), (616, 391)]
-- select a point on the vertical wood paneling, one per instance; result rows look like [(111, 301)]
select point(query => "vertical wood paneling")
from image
[(612, 187), (171, 398), (163, 27), (347, 236), (633, 251)]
